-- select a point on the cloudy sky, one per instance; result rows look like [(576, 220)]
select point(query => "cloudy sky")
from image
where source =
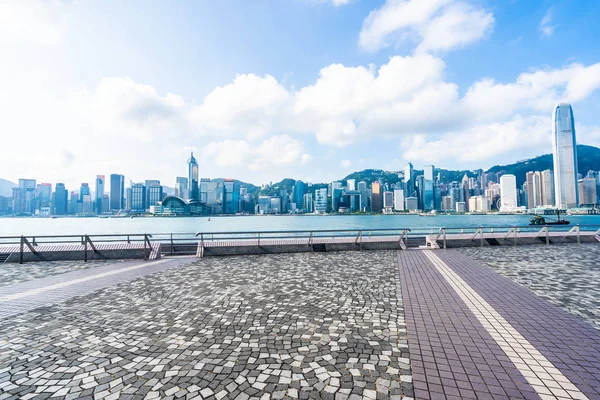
[(309, 89)]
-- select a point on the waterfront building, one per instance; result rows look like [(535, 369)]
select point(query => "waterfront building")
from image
[(479, 204), (336, 197), (446, 203), (321, 201), (565, 157), (138, 197), (276, 206), (465, 190), (154, 193), (193, 178), (84, 190), (5, 205), (351, 184), (508, 193), (409, 182), (376, 196), (43, 196), (388, 201), (429, 200), (461, 207), (548, 194), (412, 203), (399, 200), (362, 186), (181, 188), (307, 204), (73, 201), (128, 199), (204, 182), (117, 192), (61, 200), (24, 197), (232, 196), (298, 195), (587, 191), (99, 195), (264, 205)]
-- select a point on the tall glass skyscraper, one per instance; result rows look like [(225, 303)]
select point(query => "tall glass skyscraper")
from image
[(193, 178), (565, 156)]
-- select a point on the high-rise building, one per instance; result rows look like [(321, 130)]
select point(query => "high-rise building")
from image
[(193, 179), (99, 196), (308, 203), (409, 181), (138, 197), (399, 200), (181, 187), (336, 195), (547, 188), (321, 201), (84, 190), (298, 194), (117, 192), (587, 191), (388, 201), (153, 184), (429, 201), (565, 156), (351, 184), (376, 196), (61, 200), (508, 193)]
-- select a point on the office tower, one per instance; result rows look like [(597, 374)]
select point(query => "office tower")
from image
[(376, 196), (446, 203), (429, 201), (336, 195), (84, 190), (204, 183), (232, 196), (181, 187), (409, 183), (564, 156), (388, 201), (299, 190), (284, 201), (152, 183), (61, 199), (154, 193), (24, 198), (351, 184), (127, 200), (264, 205), (508, 193), (73, 202), (461, 207), (412, 203), (399, 199), (138, 197), (275, 204), (321, 201), (587, 191), (362, 186), (547, 188), (193, 179), (117, 192), (308, 203), (419, 189), (99, 193)]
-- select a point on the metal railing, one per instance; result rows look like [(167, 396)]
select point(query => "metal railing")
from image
[(515, 232)]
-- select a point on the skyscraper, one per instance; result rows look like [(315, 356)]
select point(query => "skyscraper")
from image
[(508, 193), (565, 156), (181, 187), (61, 200), (409, 181), (117, 192), (429, 201), (376, 196), (193, 178), (99, 193), (299, 189)]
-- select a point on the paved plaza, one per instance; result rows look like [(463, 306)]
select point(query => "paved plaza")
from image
[(422, 324)]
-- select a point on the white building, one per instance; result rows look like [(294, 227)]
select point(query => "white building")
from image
[(398, 200), (508, 193), (564, 157)]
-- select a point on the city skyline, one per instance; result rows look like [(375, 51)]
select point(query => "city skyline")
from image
[(320, 90)]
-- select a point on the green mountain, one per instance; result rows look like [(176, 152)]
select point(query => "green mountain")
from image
[(588, 158), (6, 187)]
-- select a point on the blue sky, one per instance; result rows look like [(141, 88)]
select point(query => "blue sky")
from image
[(310, 89)]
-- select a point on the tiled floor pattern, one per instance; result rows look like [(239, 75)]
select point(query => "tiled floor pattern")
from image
[(541, 374), (565, 275), (567, 341), (24, 296), (452, 355), (323, 325)]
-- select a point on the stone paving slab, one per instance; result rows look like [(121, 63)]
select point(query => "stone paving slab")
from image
[(280, 326), (21, 297), (565, 275), (11, 273), (569, 343), (452, 355)]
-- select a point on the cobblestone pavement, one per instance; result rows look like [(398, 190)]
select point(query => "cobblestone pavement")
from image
[(291, 325), (15, 273), (565, 275)]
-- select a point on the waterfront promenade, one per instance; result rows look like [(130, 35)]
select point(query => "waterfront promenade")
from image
[(422, 324)]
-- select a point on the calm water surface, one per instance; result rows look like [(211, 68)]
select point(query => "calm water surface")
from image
[(66, 226)]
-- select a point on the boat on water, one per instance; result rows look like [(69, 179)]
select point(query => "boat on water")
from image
[(539, 220)]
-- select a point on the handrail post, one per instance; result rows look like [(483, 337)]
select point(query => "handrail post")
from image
[(515, 228), (85, 243), (481, 236), (21, 251), (145, 239), (444, 230), (171, 244), (258, 239), (128, 241), (578, 237), (547, 235)]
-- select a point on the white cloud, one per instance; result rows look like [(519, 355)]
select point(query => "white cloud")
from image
[(546, 27), (481, 143), (32, 21), (277, 151), (248, 106), (345, 163), (434, 25)]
